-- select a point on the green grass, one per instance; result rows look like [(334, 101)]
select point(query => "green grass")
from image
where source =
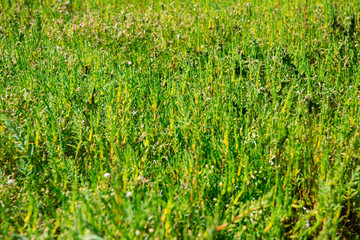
[(211, 119)]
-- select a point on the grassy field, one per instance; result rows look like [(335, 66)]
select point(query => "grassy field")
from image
[(211, 119)]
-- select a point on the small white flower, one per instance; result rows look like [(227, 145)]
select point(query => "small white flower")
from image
[(11, 181), (106, 175), (128, 194), (137, 232), (129, 62), (307, 224)]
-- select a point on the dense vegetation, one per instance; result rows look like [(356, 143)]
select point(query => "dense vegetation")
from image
[(179, 119)]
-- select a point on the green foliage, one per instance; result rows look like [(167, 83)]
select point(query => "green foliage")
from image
[(176, 119)]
